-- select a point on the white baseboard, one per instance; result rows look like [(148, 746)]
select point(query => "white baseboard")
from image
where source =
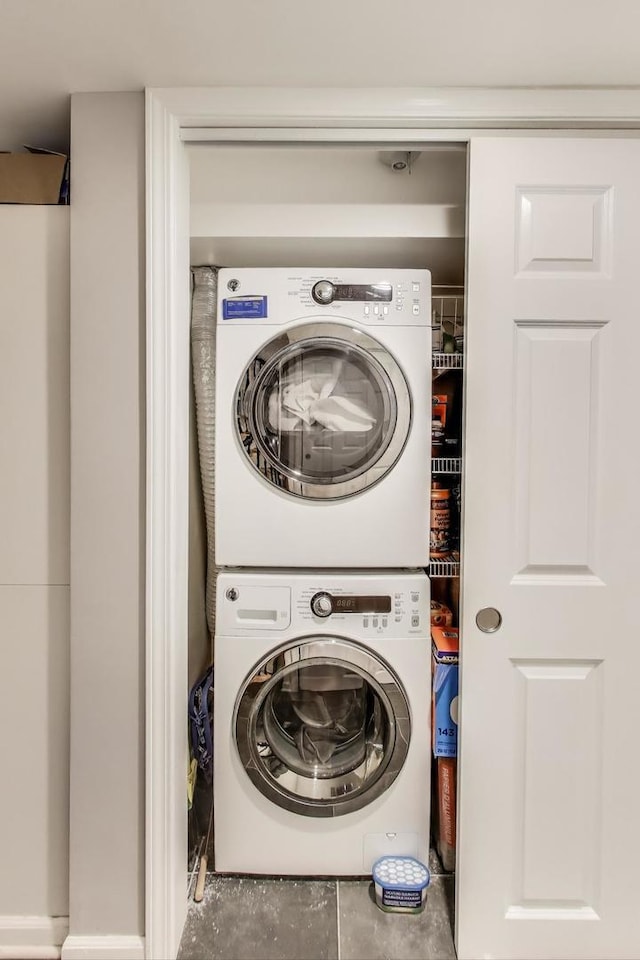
[(103, 948), (32, 938)]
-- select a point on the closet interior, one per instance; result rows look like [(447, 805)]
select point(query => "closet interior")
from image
[(354, 206)]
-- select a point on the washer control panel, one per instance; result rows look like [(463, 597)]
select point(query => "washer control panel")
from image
[(355, 604), (400, 611), (323, 604)]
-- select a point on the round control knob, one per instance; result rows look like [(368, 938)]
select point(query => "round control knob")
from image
[(322, 605), (323, 291)]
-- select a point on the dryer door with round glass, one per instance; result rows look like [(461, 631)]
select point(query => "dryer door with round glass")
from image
[(322, 726), (323, 411)]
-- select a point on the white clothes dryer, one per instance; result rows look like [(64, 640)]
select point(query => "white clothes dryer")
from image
[(322, 745), (322, 423)]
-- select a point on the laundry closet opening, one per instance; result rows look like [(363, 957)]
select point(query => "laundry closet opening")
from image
[(366, 211)]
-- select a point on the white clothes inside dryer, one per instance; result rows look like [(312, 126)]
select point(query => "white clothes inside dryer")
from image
[(306, 397)]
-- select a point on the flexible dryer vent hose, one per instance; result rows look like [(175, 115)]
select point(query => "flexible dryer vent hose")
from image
[(203, 355)]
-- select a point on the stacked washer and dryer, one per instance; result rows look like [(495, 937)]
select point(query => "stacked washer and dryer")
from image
[(322, 639)]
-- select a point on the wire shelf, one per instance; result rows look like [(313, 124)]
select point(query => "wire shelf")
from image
[(446, 465), (447, 330), (446, 361), (447, 320), (445, 566)]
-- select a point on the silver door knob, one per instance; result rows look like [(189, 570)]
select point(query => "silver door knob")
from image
[(488, 619)]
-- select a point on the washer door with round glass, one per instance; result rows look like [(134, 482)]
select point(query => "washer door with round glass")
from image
[(322, 726), (323, 411)]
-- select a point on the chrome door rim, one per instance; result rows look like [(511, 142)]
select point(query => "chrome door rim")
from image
[(308, 651), (389, 375)]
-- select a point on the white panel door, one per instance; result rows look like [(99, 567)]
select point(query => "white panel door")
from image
[(549, 812)]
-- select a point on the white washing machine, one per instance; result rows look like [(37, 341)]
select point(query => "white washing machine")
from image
[(322, 742), (322, 425)]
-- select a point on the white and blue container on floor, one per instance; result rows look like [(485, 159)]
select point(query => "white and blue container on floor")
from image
[(401, 884)]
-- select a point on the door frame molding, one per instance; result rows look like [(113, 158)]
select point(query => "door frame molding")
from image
[(175, 116)]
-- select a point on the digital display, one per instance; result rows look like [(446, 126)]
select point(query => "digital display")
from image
[(361, 604), (364, 292)]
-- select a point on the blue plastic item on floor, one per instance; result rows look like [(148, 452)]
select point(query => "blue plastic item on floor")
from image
[(401, 884)]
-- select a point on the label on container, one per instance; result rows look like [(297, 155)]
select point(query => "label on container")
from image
[(445, 710), (401, 898), (244, 308), (440, 515), (439, 523)]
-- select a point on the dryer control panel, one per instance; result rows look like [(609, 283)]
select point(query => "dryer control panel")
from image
[(282, 295), (324, 291)]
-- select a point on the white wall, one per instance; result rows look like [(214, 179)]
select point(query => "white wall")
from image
[(34, 574), (107, 519), (335, 203), (51, 48)]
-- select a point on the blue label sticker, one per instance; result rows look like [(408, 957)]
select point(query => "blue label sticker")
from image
[(244, 308)]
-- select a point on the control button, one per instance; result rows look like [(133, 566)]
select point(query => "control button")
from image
[(415, 597), (376, 309), (385, 310), (323, 291), (385, 622), (374, 622), (416, 309), (322, 604), (365, 621), (415, 287), (397, 619), (415, 621), (366, 311)]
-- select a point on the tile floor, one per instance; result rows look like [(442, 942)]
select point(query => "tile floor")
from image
[(249, 918)]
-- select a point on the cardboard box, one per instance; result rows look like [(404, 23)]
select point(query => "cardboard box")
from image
[(445, 653), (36, 176), (445, 777)]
